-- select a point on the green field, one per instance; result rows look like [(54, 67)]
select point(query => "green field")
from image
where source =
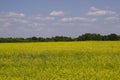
[(88, 60)]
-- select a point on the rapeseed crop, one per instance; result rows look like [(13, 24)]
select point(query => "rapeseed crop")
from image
[(87, 60)]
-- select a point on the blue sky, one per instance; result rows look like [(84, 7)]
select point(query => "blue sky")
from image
[(46, 18)]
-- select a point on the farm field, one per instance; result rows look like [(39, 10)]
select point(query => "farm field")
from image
[(86, 60)]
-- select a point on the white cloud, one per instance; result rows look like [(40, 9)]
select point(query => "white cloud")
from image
[(57, 13), (25, 21), (11, 18), (112, 18), (2, 19), (43, 18), (6, 24), (78, 19), (99, 12), (11, 14), (36, 24)]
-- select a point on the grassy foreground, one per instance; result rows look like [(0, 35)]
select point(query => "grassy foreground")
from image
[(90, 60)]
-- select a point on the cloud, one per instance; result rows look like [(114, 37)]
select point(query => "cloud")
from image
[(99, 12), (43, 18), (11, 18), (78, 19), (112, 18), (57, 13), (7, 24), (19, 20), (11, 15), (2, 19), (34, 24)]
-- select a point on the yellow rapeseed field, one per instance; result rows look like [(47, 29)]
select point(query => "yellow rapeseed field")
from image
[(87, 60)]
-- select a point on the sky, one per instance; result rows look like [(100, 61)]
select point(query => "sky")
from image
[(47, 18)]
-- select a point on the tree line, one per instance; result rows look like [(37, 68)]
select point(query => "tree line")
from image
[(84, 37)]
